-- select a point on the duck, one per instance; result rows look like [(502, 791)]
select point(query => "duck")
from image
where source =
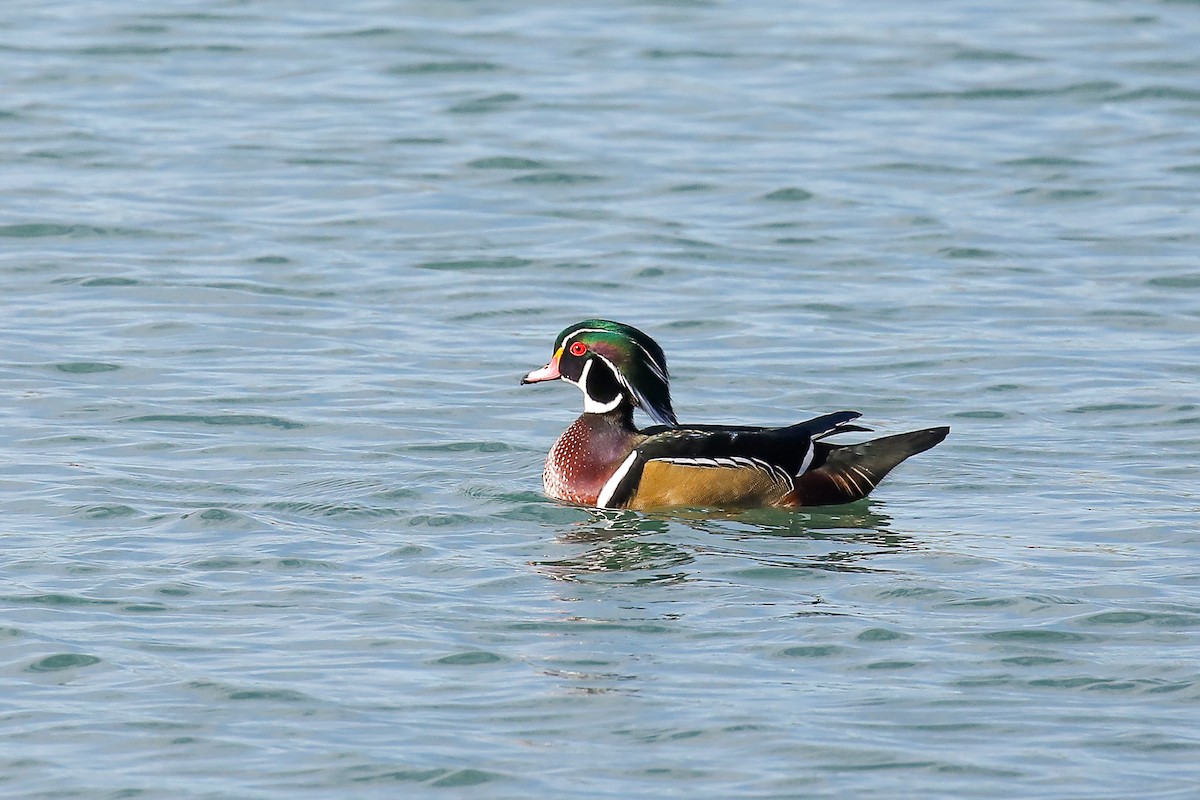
[(603, 460)]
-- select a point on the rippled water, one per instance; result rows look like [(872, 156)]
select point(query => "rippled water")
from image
[(272, 520)]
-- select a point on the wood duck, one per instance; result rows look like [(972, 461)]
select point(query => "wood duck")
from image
[(602, 460)]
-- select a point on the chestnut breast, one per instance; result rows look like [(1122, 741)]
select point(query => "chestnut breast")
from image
[(585, 457)]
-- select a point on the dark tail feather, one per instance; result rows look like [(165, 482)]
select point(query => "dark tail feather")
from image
[(845, 473)]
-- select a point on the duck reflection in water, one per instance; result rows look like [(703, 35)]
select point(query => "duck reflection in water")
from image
[(647, 548)]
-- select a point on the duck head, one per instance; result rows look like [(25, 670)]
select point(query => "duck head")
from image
[(614, 365)]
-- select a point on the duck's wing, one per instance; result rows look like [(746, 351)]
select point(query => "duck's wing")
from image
[(718, 465)]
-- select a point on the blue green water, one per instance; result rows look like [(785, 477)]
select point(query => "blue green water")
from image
[(269, 496)]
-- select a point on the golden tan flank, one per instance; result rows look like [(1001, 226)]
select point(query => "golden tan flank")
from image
[(665, 484)]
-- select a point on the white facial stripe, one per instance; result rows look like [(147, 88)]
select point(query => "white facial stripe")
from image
[(615, 371), (610, 486), (590, 405), (583, 376), (578, 331), (639, 399), (659, 369)]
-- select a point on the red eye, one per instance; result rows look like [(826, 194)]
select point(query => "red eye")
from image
[(578, 349)]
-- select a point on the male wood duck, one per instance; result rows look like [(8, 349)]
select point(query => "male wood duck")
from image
[(602, 460)]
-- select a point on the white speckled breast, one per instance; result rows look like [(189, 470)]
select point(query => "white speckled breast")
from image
[(584, 457), (564, 470)]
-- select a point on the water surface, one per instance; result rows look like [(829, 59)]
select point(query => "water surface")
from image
[(272, 520)]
